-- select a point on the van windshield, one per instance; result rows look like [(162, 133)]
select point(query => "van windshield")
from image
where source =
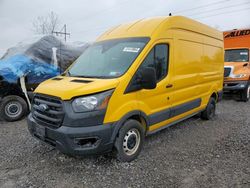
[(237, 55), (108, 59)]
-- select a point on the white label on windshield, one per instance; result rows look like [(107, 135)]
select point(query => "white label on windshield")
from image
[(114, 73), (243, 53), (131, 49)]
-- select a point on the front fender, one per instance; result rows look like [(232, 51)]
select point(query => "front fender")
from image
[(120, 123)]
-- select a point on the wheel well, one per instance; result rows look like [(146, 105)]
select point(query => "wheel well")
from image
[(140, 119), (14, 94), (14, 89), (19, 95), (135, 116)]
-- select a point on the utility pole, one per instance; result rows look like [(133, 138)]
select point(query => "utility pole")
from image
[(63, 31)]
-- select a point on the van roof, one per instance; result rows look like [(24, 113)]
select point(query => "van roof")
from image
[(147, 27)]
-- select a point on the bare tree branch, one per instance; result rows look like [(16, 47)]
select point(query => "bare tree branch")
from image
[(46, 24)]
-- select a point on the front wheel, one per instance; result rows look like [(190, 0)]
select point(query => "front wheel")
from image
[(129, 141), (245, 94), (13, 108)]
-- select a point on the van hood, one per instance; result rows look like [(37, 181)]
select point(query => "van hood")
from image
[(68, 87)]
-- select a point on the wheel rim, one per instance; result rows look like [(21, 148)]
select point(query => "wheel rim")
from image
[(131, 141), (248, 92), (13, 109)]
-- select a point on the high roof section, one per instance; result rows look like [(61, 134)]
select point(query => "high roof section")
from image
[(148, 27)]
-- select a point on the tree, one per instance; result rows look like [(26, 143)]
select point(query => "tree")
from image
[(46, 24)]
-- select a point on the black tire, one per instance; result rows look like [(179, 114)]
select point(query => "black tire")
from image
[(209, 112), (245, 94), (13, 108), (127, 144)]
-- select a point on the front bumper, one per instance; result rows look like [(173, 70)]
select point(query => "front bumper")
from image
[(74, 140), (237, 85)]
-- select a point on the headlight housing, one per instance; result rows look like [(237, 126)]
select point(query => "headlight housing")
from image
[(239, 75), (93, 102)]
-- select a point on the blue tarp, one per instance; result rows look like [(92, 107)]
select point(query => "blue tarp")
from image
[(38, 59), (13, 68)]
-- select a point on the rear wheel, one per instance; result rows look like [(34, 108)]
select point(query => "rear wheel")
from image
[(13, 108), (129, 141), (245, 94), (209, 112)]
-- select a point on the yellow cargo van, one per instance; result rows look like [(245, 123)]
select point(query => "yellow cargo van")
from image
[(136, 79)]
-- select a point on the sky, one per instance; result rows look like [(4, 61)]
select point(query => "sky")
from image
[(87, 19)]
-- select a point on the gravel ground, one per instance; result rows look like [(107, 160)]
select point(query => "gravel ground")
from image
[(194, 153)]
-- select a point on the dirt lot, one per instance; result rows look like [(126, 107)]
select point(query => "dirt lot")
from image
[(194, 153)]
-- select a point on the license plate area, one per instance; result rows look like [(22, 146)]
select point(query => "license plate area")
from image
[(40, 131)]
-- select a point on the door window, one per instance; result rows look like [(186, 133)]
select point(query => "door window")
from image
[(157, 59)]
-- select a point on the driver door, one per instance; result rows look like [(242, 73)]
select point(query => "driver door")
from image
[(156, 103)]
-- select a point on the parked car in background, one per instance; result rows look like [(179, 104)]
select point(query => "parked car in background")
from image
[(135, 80), (237, 65), (28, 64)]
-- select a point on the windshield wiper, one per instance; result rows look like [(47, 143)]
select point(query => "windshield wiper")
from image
[(72, 75), (66, 73)]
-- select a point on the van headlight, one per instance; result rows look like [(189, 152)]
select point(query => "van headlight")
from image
[(239, 75), (93, 102)]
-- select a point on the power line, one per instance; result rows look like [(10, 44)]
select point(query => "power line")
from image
[(93, 29), (124, 2), (221, 8), (105, 9), (209, 4), (223, 13), (102, 28), (185, 10)]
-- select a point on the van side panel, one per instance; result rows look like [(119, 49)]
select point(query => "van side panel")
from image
[(197, 74), (210, 81), (187, 66), (188, 53)]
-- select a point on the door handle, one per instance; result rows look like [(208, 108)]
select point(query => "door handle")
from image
[(169, 85)]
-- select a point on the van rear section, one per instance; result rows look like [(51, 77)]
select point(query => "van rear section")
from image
[(237, 65)]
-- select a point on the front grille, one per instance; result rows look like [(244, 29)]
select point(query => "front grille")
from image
[(53, 116), (227, 71)]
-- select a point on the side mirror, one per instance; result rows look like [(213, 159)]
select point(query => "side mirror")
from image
[(148, 78)]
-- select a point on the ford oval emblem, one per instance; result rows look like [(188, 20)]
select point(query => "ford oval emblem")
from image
[(43, 107)]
